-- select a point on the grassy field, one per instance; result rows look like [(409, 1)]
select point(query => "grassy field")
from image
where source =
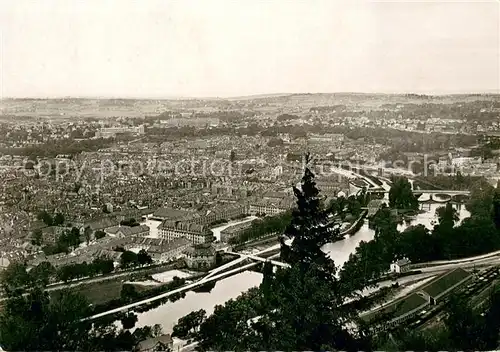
[(104, 291)]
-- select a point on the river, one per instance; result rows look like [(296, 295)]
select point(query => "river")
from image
[(168, 313)]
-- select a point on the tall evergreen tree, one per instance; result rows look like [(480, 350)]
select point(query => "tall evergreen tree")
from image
[(447, 216), (496, 208), (309, 228), (297, 308)]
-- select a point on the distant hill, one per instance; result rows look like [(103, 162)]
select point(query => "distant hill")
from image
[(133, 107)]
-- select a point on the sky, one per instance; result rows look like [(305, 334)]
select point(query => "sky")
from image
[(215, 48)]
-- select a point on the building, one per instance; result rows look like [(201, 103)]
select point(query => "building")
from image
[(170, 214), (127, 231), (268, 207), (100, 225), (50, 234), (328, 184), (466, 161), (154, 344), (160, 249), (200, 257), (400, 266), (444, 284), (234, 231), (185, 121), (226, 212), (408, 307), (87, 256), (396, 312), (170, 250), (108, 132), (195, 233), (357, 185), (326, 138)]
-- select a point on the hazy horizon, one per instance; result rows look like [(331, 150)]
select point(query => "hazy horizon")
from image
[(497, 92), (224, 49)]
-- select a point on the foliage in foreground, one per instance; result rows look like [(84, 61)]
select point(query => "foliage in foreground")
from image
[(31, 320)]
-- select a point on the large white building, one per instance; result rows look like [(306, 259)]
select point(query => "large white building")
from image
[(195, 233), (107, 132), (200, 257), (270, 207)]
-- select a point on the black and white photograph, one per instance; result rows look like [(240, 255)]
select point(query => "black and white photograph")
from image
[(249, 175)]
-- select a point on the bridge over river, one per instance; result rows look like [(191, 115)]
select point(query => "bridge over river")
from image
[(426, 195), (424, 191)]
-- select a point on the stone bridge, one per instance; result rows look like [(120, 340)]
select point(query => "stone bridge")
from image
[(425, 191), (427, 195)]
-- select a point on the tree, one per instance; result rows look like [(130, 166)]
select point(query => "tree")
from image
[(463, 325), (37, 237), (436, 339), (417, 244), (496, 208), (87, 233), (129, 320), (354, 204), (401, 195), (232, 156), (309, 314), (99, 234), (130, 222), (128, 259), (447, 215), (145, 332), (296, 308), (103, 265), (36, 322), (43, 273), (68, 239), (14, 278), (309, 228), (268, 277), (105, 209), (74, 237), (128, 292), (371, 259), (188, 325), (45, 217), (144, 258), (58, 219)]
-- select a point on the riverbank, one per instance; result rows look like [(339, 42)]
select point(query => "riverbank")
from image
[(243, 278), (356, 225)]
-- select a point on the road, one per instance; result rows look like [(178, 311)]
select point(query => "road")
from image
[(243, 257), (469, 264), (478, 257)]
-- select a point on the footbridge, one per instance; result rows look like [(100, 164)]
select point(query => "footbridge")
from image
[(254, 257)]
